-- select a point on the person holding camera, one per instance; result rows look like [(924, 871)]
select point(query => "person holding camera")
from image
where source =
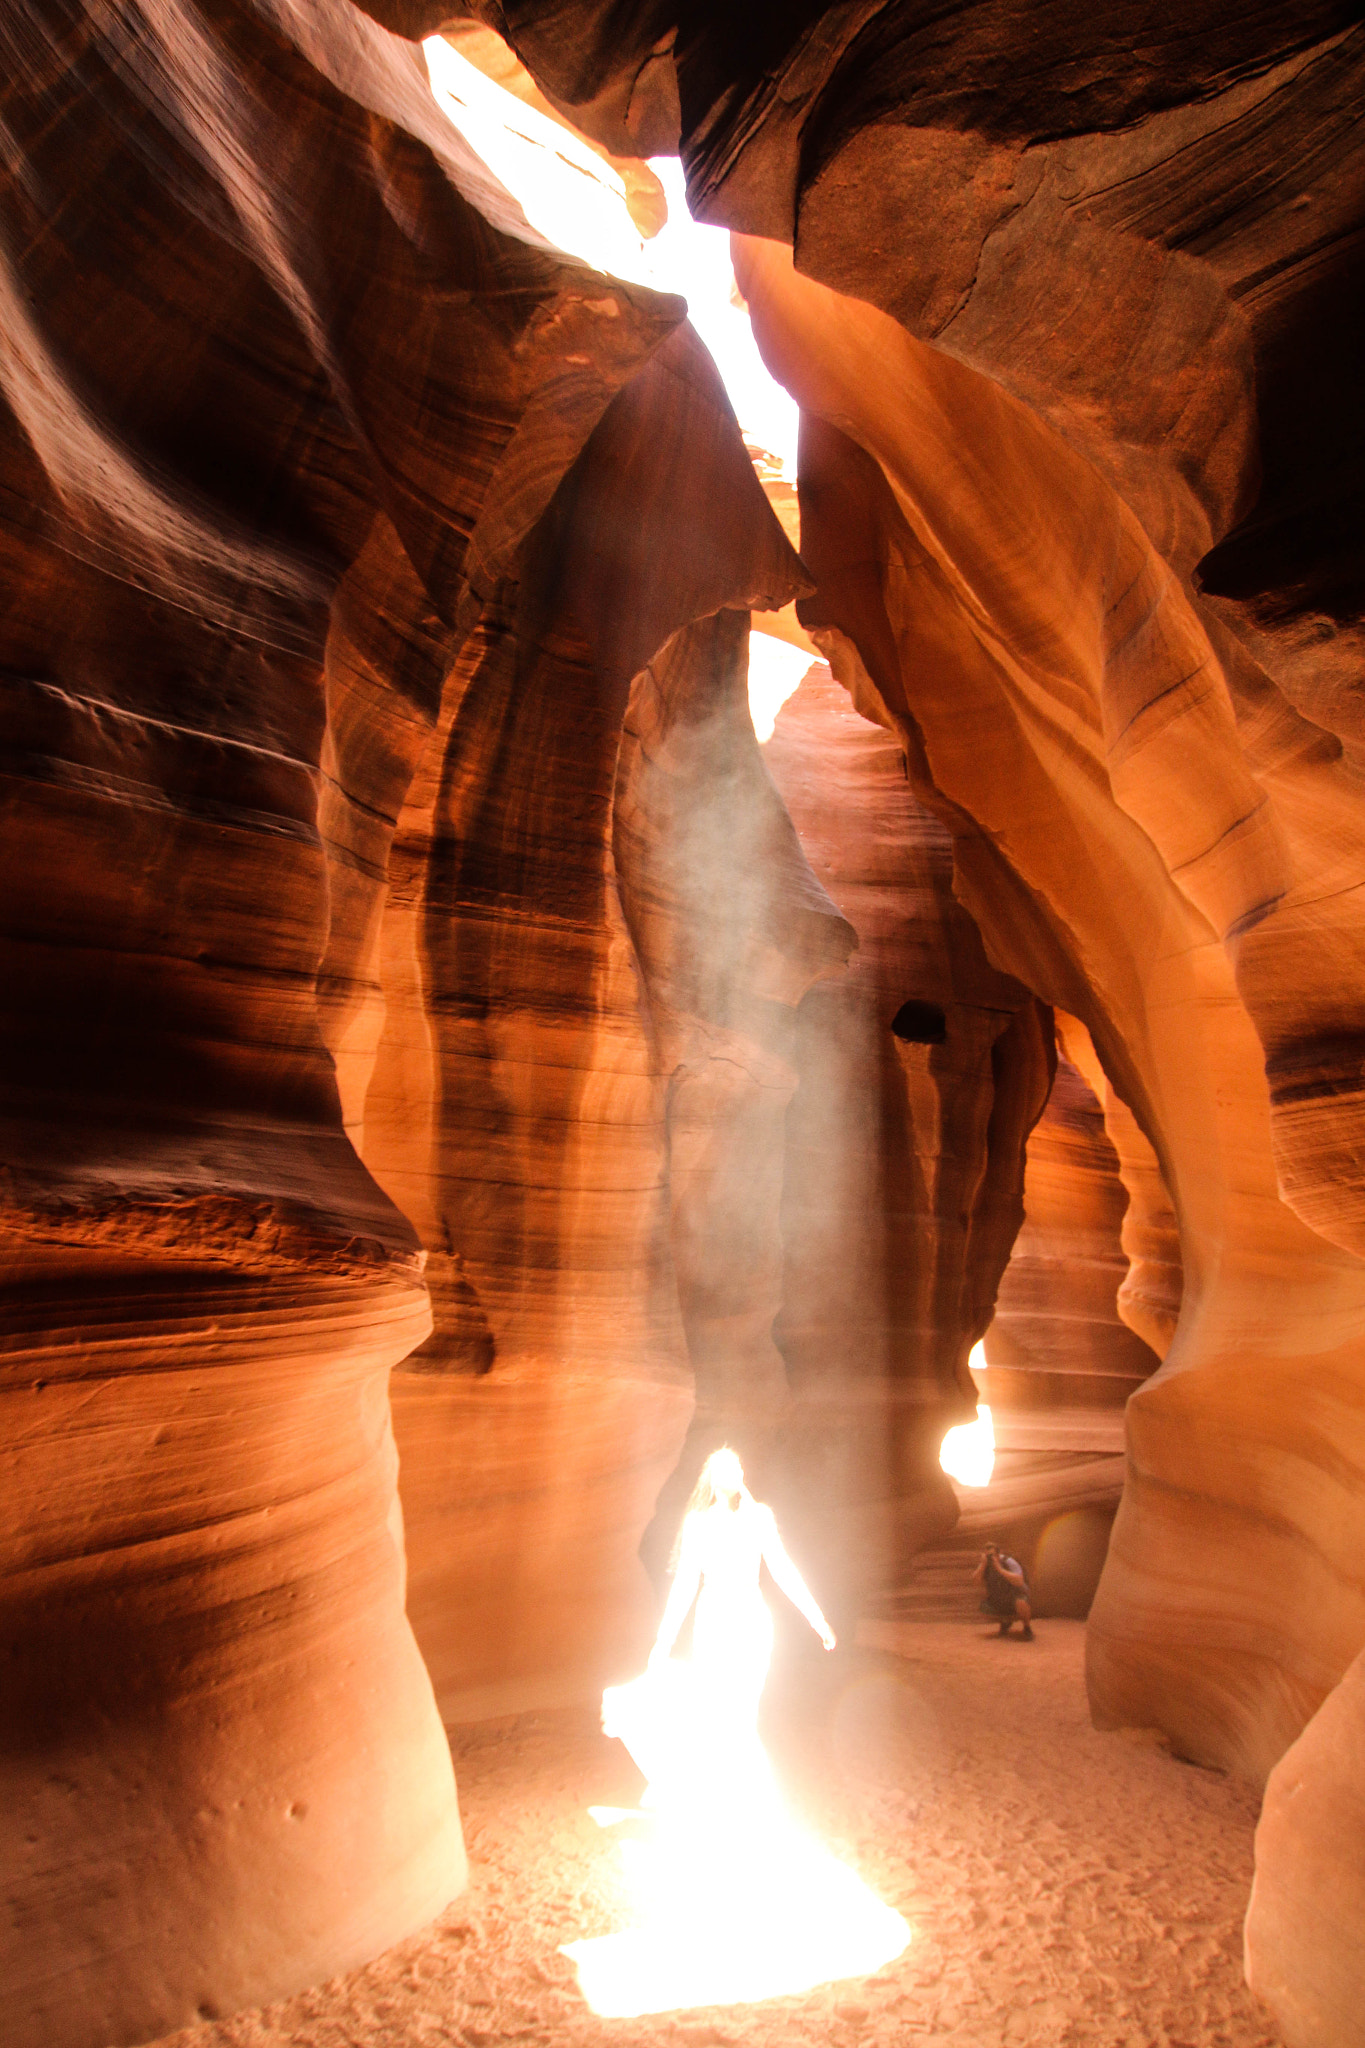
[(1007, 1590)]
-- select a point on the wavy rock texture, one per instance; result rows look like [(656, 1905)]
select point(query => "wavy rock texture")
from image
[(921, 1071), (335, 507), (286, 384), (1117, 622), (1305, 1944), (521, 1109), (1062, 1360), (981, 637), (1057, 1341)]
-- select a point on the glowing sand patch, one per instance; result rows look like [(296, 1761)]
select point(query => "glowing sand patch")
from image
[(776, 669), (732, 1901), (728, 1921)]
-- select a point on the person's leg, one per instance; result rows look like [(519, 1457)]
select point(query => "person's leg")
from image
[(1025, 1614)]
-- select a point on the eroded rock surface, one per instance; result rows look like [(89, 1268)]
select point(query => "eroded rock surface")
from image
[(954, 609), (1305, 1949), (345, 529), (922, 1069), (287, 381)]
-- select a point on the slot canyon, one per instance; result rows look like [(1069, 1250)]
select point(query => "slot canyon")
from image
[(468, 1053)]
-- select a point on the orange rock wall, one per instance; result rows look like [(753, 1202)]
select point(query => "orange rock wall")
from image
[(279, 402), (969, 618), (350, 537)]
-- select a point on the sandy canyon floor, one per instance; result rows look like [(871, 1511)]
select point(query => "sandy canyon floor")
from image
[(1063, 1887)]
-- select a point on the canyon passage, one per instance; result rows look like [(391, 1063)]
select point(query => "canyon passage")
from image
[(681, 768)]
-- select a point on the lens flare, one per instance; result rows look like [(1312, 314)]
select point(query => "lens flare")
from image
[(732, 1900)]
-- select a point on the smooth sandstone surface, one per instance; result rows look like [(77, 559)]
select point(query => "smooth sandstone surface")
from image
[(969, 618), (1305, 1926), (414, 960), (922, 1070), (287, 381)]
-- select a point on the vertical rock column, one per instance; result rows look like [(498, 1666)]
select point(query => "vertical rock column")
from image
[(920, 1071), (731, 928), (518, 1109)]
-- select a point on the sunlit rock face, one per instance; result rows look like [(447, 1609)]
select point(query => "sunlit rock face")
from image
[(1057, 1340), (353, 539), (1020, 702), (281, 404), (1062, 1360), (1089, 556), (1305, 1929), (529, 1095)]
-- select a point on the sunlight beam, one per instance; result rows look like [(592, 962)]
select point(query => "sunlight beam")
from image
[(967, 1453)]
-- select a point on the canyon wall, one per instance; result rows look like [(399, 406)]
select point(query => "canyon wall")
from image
[(406, 965), (411, 958), (287, 381)]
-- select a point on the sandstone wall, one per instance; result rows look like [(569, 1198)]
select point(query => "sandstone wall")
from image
[(921, 1071), (286, 381), (341, 520), (972, 619)]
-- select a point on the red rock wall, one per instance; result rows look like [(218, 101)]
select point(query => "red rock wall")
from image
[(921, 1070), (280, 404), (1305, 1948), (520, 1108), (1057, 1340), (336, 516), (969, 618), (1061, 1356)]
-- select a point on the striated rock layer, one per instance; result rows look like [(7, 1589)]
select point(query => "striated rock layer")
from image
[(1091, 556), (921, 1071), (521, 1109), (286, 384), (342, 523), (1062, 1360), (1005, 686)]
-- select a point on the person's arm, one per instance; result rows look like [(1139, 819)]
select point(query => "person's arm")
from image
[(790, 1581), (1016, 1578), (686, 1583), (980, 1571)]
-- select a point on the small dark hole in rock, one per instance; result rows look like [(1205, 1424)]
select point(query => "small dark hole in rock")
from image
[(920, 1024)]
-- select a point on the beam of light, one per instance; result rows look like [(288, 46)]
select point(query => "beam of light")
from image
[(776, 669), (578, 202), (687, 256), (732, 1901), (566, 191), (967, 1453)]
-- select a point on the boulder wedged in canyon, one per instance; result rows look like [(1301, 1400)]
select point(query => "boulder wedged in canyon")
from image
[(287, 382), (1305, 1926)]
